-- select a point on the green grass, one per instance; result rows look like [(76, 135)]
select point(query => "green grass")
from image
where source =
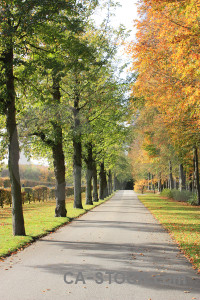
[(39, 220), (181, 220)]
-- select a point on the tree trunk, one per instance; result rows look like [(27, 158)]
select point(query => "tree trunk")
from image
[(196, 171), (176, 183), (182, 178), (58, 158), (77, 168), (152, 183), (119, 184), (115, 182), (171, 182), (151, 188), (89, 173), (13, 159), (109, 182), (103, 187), (160, 183), (95, 187), (77, 146), (149, 176), (190, 183), (59, 170), (164, 184)]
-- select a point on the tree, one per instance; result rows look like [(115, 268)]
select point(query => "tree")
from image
[(165, 57), (52, 71), (88, 85), (19, 22)]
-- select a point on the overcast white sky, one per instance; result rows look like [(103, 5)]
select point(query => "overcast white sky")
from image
[(126, 14)]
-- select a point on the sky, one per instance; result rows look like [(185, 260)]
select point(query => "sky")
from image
[(126, 14), (123, 15)]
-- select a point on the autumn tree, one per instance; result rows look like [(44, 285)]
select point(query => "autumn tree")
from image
[(165, 57)]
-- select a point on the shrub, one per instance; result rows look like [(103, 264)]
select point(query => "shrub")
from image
[(37, 193), (6, 182), (166, 193), (5, 197), (183, 196), (70, 191), (193, 199), (40, 193), (1, 182)]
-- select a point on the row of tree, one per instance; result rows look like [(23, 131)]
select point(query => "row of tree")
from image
[(166, 93), (61, 97)]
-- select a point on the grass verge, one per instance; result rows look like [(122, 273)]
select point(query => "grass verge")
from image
[(39, 221), (181, 220)]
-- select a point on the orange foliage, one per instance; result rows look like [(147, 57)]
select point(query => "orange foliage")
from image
[(141, 185), (166, 56)]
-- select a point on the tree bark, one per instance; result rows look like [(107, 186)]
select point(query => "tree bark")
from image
[(109, 182), (59, 170), (77, 170), (171, 182), (13, 159), (149, 176), (190, 183), (77, 146), (152, 185), (95, 185), (176, 183), (103, 187), (89, 173), (196, 173), (58, 156), (115, 183), (159, 183), (182, 178)]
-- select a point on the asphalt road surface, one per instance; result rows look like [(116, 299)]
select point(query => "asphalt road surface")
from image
[(116, 251)]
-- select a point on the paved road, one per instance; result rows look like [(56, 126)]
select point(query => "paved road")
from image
[(117, 251)]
